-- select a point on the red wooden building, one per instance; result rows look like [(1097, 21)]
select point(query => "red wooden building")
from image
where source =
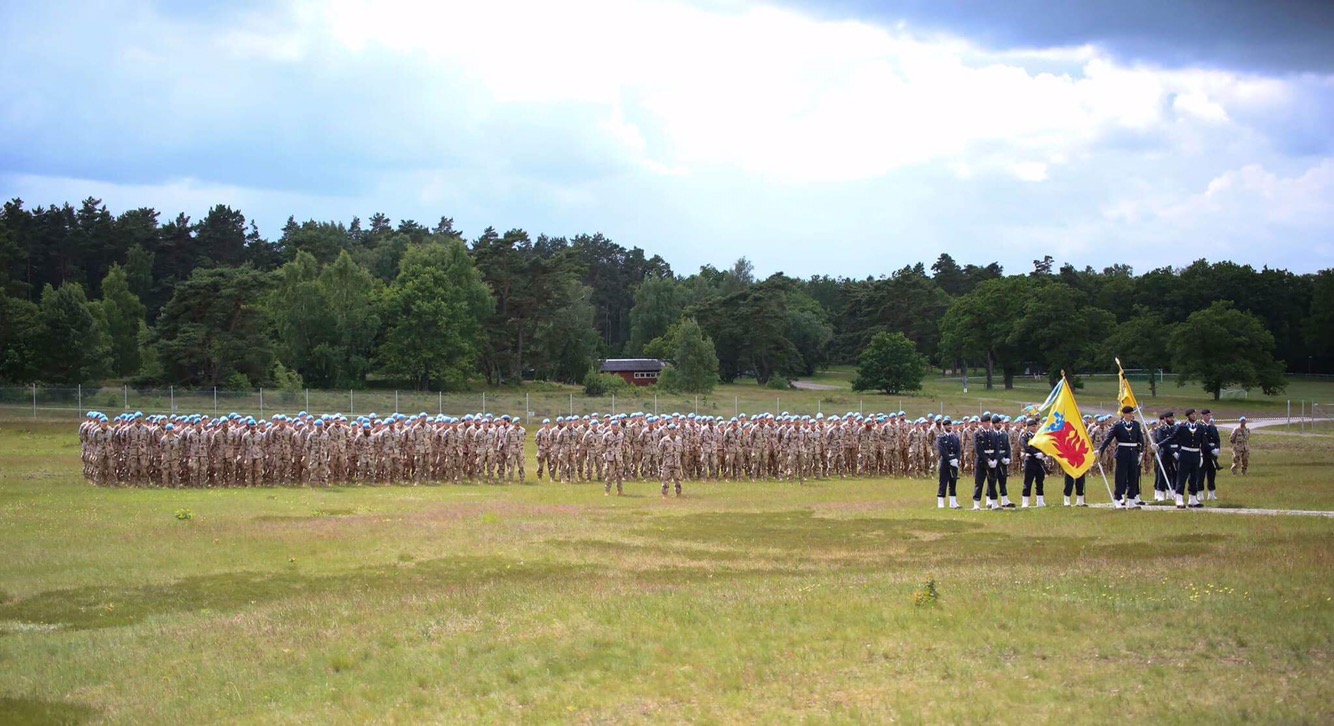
[(635, 371)]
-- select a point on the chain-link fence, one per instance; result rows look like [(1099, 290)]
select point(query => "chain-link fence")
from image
[(41, 402)]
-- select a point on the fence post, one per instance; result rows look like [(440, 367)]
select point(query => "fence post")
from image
[(171, 397), (440, 401), (80, 411), (483, 401), (126, 390), (571, 404), (34, 400), (655, 404), (215, 401), (527, 409), (261, 403), (859, 407), (736, 405), (307, 399), (395, 400), (351, 402), (613, 404), (696, 404)]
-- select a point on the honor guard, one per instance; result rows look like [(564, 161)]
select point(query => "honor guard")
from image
[(949, 448), (1189, 438), (1209, 467), (1034, 470)]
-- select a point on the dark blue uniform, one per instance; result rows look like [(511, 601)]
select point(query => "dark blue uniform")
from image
[(949, 447), (1002, 440), (1034, 472), (985, 445), (1209, 470), (1129, 439), (1164, 475), (1189, 438)]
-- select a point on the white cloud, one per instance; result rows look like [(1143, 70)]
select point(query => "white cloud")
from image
[(696, 130)]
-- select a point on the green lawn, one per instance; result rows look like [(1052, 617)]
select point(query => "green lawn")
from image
[(739, 603)]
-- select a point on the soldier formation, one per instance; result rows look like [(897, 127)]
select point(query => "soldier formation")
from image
[(237, 451), (320, 450)]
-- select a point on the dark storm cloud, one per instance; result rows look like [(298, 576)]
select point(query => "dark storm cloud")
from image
[(1282, 36)]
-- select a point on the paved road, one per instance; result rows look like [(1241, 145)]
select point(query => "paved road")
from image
[(1224, 510)]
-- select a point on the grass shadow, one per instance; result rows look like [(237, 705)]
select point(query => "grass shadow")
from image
[(105, 607)]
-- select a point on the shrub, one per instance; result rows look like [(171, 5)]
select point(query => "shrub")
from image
[(601, 384), (926, 595)]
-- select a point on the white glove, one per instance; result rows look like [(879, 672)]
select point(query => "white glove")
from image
[(1215, 452), (1040, 456), (954, 463), (1005, 461), (1176, 455), (991, 463)]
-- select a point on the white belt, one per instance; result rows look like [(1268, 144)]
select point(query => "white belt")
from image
[(988, 451), (1119, 443), (1187, 448)]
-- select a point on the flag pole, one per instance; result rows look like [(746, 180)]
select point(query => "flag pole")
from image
[(1104, 483)]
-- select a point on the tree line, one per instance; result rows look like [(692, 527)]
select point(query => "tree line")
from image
[(90, 296)]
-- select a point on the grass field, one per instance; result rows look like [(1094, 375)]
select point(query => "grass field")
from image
[(738, 603)]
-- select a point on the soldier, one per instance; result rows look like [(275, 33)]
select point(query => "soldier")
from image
[(949, 448), (987, 461), (544, 459), (613, 443), (1129, 439), (1241, 447), (670, 452), (196, 452), (136, 439), (251, 460), (1164, 477), (1003, 452), (103, 458), (1212, 444), (317, 454), (1034, 473), (363, 453), (1189, 437), (170, 444)]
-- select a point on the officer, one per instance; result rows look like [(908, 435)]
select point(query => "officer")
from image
[(1034, 471), (1189, 438), (985, 446), (950, 449), (1212, 444), (1129, 440)]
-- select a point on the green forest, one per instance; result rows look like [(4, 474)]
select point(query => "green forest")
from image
[(91, 296)]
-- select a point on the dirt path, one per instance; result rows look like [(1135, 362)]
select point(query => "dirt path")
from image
[(807, 386)]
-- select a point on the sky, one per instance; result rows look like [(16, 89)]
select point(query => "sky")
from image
[(841, 137)]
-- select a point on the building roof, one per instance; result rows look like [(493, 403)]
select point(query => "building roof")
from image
[(618, 365)]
